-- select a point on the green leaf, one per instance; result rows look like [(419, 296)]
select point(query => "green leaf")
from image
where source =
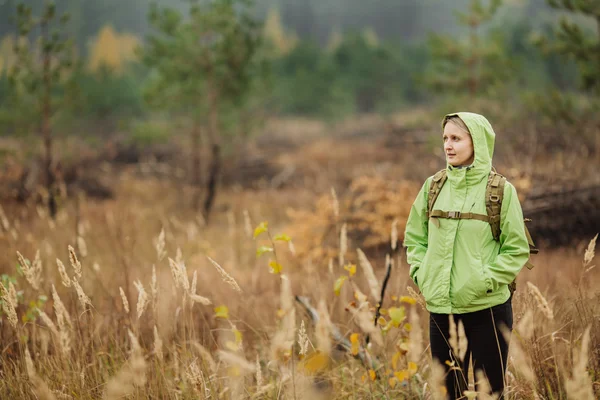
[(262, 250)]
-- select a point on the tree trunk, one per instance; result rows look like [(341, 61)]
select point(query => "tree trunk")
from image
[(215, 165), (196, 166), (46, 113)]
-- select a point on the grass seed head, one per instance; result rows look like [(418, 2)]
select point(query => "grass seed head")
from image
[(124, 300), (66, 281), (9, 306), (160, 245), (31, 272), (74, 262), (302, 340), (84, 300), (225, 276), (200, 299), (541, 301), (590, 252), (142, 301), (370, 274)]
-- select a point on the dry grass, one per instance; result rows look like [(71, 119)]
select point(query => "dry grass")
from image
[(235, 330)]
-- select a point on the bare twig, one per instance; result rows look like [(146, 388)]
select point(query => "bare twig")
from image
[(386, 279)]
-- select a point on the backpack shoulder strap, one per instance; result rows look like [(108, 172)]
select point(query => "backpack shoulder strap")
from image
[(435, 188), (494, 194)]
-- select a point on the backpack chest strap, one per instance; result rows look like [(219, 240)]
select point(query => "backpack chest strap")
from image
[(458, 215)]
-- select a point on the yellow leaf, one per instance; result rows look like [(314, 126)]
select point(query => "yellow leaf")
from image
[(262, 250), (408, 327), (392, 382), (412, 368), (337, 287), (403, 347), (381, 321), (222, 312), (394, 298), (316, 362), (351, 268), (383, 311), (402, 375), (282, 237), (275, 267), (397, 315), (363, 378), (262, 227), (372, 375), (238, 337), (470, 394), (395, 359), (231, 346), (408, 300), (355, 344)]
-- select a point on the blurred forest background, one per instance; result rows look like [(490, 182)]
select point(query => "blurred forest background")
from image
[(140, 80), (360, 57)]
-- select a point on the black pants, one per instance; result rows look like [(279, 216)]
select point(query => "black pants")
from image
[(486, 345)]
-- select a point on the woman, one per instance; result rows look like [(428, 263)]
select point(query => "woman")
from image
[(461, 270)]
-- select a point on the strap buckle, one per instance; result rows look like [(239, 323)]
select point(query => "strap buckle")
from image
[(453, 214), (494, 198)]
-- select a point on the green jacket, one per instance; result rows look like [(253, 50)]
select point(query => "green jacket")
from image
[(458, 266)]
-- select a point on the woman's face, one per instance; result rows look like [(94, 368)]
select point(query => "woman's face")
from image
[(458, 146)]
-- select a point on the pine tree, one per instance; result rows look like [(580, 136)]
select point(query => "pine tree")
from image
[(43, 55), (472, 65), (205, 66), (571, 40)]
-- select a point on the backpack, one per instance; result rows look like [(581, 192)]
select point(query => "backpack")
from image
[(494, 194)]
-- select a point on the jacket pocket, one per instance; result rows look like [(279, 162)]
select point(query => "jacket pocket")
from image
[(474, 286)]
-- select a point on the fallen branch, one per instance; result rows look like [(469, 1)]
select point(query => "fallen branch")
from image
[(368, 360)]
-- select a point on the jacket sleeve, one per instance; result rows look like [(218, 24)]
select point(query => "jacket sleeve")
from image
[(514, 247), (416, 233)]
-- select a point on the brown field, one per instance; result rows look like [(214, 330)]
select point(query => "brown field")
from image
[(232, 329)]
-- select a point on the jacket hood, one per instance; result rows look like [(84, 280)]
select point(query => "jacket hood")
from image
[(483, 137)]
